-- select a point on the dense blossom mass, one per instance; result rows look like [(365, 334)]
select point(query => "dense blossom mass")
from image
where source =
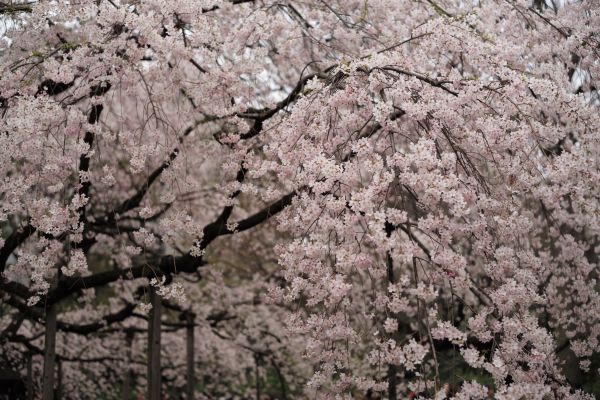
[(353, 198)]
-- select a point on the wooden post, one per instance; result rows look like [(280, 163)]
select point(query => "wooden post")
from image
[(190, 354), (59, 380), (257, 376), (392, 382), (49, 354), (29, 376), (154, 347), (126, 390), (392, 368)]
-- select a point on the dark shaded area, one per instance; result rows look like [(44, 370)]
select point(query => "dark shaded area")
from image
[(12, 386)]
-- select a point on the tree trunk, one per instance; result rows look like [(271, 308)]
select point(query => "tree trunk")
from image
[(190, 355), (29, 376), (49, 354), (154, 347)]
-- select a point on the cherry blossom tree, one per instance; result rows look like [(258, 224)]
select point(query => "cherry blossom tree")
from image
[(409, 187)]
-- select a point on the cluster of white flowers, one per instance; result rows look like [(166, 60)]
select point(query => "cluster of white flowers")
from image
[(77, 264), (174, 290)]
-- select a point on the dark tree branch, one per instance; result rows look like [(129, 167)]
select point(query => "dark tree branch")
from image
[(52, 88), (36, 350), (84, 159), (235, 2), (12, 242), (14, 8), (83, 329), (261, 115), (136, 199), (433, 82), (167, 265)]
